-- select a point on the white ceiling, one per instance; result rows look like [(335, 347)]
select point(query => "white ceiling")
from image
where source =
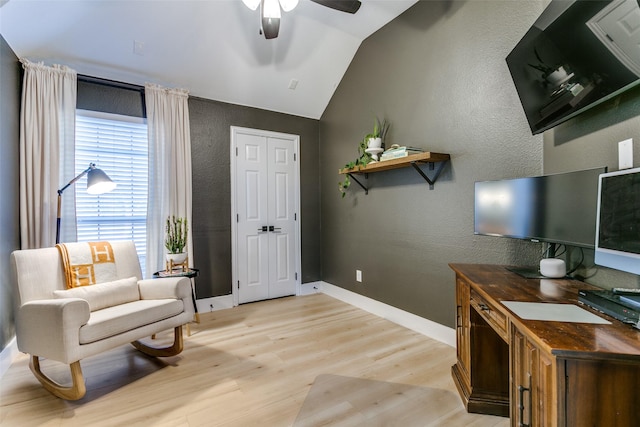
[(210, 47)]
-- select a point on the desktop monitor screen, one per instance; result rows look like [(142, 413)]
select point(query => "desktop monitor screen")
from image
[(618, 221)]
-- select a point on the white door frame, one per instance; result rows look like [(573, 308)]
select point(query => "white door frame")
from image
[(234, 212)]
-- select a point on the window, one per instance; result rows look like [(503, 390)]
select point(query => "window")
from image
[(117, 145)]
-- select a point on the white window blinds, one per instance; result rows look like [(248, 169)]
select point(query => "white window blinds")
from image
[(117, 145)]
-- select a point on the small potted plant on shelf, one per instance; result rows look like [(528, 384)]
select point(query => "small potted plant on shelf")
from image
[(553, 75), (375, 140), (368, 149), (176, 239)]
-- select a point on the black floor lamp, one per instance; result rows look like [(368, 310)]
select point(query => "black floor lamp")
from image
[(97, 183)]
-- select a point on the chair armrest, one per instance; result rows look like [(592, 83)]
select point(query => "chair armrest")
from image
[(165, 287), (49, 328)]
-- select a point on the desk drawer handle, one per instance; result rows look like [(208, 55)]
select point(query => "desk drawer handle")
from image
[(521, 391), (484, 307)]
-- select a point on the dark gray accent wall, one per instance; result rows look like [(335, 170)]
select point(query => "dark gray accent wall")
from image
[(438, 74), (109, 99), (10, 87), (210, 123), (591, 140)]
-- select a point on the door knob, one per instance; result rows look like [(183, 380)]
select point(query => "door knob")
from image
[(272, 228)]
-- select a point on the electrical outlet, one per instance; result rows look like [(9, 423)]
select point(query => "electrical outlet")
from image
[(625, 154), (358, 276)]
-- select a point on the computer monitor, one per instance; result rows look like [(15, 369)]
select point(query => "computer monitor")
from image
[(618, 221)]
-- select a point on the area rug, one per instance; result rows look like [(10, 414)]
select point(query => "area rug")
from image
[(335, 400)]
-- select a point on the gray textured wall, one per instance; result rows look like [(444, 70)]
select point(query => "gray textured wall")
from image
[(591, 140), (210, 123), (109, 99), (210, 142), (438, 74), (10, 84)]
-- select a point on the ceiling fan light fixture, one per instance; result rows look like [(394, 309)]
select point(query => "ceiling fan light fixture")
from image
[(270, 9), (270, 17), (251, 4), (288, 5)]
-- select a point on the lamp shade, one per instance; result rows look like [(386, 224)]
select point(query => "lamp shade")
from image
[(98, 182)]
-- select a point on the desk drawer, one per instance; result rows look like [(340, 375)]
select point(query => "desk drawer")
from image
[(495, 318)]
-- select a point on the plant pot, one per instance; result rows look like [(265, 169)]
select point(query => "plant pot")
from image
[(375, 143), (177, 258), (558, 76)]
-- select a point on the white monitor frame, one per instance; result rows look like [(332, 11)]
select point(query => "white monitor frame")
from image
[(619, 260)]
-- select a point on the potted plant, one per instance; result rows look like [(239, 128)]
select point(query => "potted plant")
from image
[(554, 75), (376, 138), (176, 239), (365, 150)]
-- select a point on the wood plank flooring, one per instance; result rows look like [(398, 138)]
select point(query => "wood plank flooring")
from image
[(256, 365)]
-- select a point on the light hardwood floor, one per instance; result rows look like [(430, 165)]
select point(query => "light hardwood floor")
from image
[(256, 364)]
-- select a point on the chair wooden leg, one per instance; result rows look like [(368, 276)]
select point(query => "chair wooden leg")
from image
[(196, 319), (172, 350), (76, 391)]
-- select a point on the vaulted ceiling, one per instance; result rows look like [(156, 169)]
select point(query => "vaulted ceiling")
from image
[(210, 47)]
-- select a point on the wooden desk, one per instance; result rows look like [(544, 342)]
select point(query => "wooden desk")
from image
[(541, 373)]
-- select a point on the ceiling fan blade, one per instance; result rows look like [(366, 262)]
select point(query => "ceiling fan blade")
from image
[(349, 6)]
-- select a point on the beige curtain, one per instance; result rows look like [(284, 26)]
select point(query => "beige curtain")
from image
[(47, 130), (169, 169)]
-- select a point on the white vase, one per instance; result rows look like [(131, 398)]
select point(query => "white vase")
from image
[(558, 76), (177, 258), (375, 143)]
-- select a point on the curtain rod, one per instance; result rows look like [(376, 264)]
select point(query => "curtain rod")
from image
[(110, 83)]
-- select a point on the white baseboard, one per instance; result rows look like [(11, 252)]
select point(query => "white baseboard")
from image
[(226, 301), (8, 355), (310, 288), (411, 321), (206, 305)]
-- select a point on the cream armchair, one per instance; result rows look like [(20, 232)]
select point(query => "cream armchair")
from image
[(69, 325)]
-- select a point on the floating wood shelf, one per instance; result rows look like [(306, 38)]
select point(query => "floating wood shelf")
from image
[(414, 160)]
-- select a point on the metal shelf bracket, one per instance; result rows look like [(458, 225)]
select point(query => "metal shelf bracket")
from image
[(433, 180), (366, 190)]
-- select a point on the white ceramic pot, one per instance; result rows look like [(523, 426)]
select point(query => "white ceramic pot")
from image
[(375, 142), (557, 76), (177, 258)]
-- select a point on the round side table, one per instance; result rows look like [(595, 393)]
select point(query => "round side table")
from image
[(191, 274)]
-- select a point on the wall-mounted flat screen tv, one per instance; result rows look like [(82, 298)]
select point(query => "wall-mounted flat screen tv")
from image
[(618, 226), (578, 54), (559, 208)]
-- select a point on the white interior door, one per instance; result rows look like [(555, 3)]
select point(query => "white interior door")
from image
[(618, 28), (281, 179), (265, 187)]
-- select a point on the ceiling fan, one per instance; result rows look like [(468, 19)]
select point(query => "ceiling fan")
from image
[(270, 11)]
